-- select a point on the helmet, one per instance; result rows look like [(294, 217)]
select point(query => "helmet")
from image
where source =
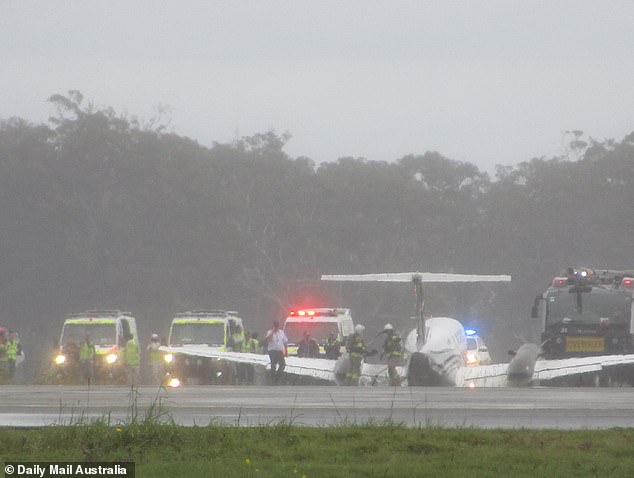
[(154, 336), (359, 328), (388, 327)]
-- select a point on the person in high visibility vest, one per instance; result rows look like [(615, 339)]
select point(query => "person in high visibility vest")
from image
[(392, 350), (86, 359), (252, 344), (13, 350), (156, 360), (357, 350), (236, 339), (4, 359), (132, 360)]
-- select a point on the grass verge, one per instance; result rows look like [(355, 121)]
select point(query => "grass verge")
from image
[(372, 450)]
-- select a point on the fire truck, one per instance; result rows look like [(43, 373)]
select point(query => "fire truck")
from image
[(587, 312)]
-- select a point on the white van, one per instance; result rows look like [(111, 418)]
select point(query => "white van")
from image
[(320, 323), (109, 330)]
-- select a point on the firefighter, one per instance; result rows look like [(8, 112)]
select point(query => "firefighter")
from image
[(132, 360), (392, 350), (332, 347), (86, 359), (14, 348), (357, 350), (156, 359)]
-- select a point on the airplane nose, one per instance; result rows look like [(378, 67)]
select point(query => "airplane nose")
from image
[(421, 373)]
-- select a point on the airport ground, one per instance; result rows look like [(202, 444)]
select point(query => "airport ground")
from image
[(510, 408), (307, 432)]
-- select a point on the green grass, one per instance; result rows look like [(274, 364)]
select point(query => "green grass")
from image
[(373, 450)]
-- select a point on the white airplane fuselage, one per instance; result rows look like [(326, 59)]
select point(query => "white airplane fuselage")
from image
[(437, 359)]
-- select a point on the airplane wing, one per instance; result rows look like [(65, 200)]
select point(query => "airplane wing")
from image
[(425, 277), (322, 369), (307, 367), (551, 369), (496, 375)]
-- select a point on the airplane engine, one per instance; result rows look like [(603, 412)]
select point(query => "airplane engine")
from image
[(522, 366)]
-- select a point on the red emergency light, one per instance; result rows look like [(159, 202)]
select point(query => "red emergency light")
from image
[(560, 281), (628, 282), (302, 313)]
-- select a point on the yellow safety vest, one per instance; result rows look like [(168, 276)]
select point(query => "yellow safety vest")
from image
[(86, 351), (132, 353), (155, 355), (12, 349)]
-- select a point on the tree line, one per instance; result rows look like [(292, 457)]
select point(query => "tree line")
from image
[(98, 210)]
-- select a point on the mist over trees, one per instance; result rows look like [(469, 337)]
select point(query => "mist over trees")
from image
[(100, 211)]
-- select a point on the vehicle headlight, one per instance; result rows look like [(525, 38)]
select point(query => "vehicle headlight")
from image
[(173, 382), (471, 359), (168, 358), (111, 358), (60, 359)]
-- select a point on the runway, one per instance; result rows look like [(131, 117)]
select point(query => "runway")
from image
[(536, 408)]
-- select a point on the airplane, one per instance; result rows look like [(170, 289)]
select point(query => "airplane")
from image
[(436, 347)]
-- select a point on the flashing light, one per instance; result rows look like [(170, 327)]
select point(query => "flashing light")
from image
[(219, 374), (470, 332), (111, 358), (174, 382), (60, 359), (560, 281), (628, 282), (168, 358), (303, 313), (580, 273)]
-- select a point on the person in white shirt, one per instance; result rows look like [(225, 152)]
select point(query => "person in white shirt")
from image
[(276, 340)]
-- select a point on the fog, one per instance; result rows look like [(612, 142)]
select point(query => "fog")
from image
[(488, 83), (227, 155)]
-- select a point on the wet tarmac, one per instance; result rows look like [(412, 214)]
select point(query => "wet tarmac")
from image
[(559, 408)]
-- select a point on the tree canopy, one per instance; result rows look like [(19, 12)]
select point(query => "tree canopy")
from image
[(97, 210)]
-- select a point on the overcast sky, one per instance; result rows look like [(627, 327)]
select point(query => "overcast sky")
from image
[(488, 82)]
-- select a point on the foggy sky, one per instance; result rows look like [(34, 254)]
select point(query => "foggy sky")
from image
[(488, 82)]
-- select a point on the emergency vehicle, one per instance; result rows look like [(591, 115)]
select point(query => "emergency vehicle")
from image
[(477, 351), (109, 330), (320, 323), (587, 312), (210, 329)]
